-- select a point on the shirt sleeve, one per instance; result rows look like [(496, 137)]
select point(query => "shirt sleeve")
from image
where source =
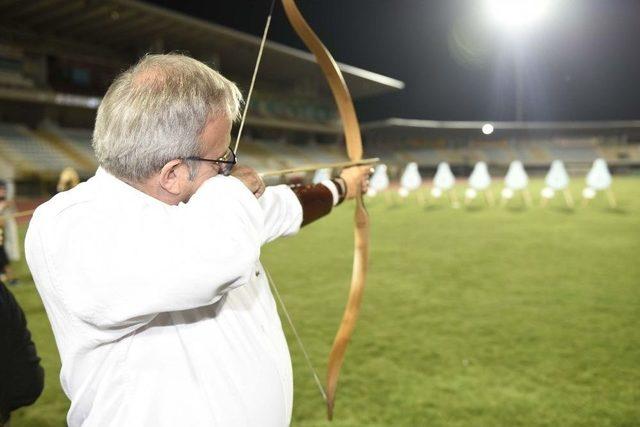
[(282, 212), (121, 271)]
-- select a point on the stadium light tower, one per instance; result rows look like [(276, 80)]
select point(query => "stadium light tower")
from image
[(517, 17)]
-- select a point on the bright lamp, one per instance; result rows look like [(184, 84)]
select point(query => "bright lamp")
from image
[(516, 15)]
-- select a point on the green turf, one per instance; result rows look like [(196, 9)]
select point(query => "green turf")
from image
[(472, 317)]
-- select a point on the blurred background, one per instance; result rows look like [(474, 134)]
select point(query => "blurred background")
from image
[(516, 303)]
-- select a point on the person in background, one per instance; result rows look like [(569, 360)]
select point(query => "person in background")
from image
[(68, 179), (9, 245), (21, 376)]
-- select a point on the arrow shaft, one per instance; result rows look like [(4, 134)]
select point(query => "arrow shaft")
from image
[(313, 167)]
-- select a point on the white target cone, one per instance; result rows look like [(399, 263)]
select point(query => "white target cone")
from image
[(599, 179), (479, 181), (411, 180), (557, 179), (444, 182), (516, 180), (379, 180)]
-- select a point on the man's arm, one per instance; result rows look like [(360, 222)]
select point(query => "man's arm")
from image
[(286, 208), (116, 269), (317, 200)]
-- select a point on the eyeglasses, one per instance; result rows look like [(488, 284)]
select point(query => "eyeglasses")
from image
[(226, 162)]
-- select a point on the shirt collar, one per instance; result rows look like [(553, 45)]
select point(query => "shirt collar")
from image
[(113, 184)]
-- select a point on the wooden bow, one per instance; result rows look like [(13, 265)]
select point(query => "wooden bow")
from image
[(353, 141)]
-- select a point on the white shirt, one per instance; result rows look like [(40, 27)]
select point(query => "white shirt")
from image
[(162, 314)]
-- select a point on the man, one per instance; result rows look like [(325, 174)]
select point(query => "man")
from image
[(21, 376), (149, 271)]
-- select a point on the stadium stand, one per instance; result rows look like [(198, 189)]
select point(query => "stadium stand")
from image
[(76, 140), (575, 150), (30, 154), (461, 144), (531, 152), (500, 152), (619, 153), (49, 93), (299, 109), (14, 79), (7, 171), (275, 154), (11, 65), (50, 86)]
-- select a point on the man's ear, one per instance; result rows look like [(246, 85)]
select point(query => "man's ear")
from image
[(174, 177)]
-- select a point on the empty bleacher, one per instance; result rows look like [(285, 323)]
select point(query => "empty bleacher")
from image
[(536, 153), (11, 70), (620, 153), (268, 105), (532, 152), (7, 171), (29, 154), (14, 79), (575, 150), (278, 154), (45, 151), (80, 139)]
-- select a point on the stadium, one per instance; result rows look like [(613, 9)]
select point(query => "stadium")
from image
[(502, 279)]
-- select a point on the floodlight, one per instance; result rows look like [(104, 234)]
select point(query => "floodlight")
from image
[(487, 128), (517, 15)]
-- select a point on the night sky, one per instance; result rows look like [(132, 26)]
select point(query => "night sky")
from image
[(582, 62)]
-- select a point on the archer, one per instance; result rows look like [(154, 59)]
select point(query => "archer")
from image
[(150, 270)]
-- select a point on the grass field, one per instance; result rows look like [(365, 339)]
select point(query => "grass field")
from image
[(472, 317)]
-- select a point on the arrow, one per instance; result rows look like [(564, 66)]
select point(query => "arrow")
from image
[(316, 166)]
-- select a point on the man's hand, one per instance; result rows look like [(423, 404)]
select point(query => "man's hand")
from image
[(356, 179), (250, 178)]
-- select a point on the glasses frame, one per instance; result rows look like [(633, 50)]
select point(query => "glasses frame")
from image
[(226, 165)]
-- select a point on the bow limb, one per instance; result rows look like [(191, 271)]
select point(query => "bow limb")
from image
[(348, 323), (353, 141)]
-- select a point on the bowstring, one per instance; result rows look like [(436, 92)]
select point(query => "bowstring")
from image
[(287, 316), (255, 74), (272, 284)]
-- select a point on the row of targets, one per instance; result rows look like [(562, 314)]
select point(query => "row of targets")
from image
[(598, 181), (516, 182)]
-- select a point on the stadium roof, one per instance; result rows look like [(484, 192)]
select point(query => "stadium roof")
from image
[(475, 126), (116, 29)]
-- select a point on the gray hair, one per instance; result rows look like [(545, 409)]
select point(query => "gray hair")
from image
[(155, 112)]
